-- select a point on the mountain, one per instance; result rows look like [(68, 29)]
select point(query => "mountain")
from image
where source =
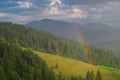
[(64, 29), (94, 33)]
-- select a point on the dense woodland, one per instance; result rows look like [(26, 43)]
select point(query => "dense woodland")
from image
[(106, 58), (18, 64), (45, 42), (52, 44), (22, 64)]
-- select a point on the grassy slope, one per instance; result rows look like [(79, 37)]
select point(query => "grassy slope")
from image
[(69, 67)]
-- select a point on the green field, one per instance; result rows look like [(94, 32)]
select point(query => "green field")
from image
[(70, 67)]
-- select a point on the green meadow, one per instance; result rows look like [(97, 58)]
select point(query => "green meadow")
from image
[(70, 67)]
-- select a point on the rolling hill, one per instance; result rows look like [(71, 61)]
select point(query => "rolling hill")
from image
[(21, 62), (96, 34), (52, 44), (70, 67)]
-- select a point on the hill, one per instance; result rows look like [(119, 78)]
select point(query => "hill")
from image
[(42, 41), (52, 44), (70, 67), (19, 64), (94, 33)]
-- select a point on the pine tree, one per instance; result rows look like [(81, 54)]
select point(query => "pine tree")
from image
[(90, 75), (80, 78), (2, 74), (73, 78), (60, 77), (98, 75)]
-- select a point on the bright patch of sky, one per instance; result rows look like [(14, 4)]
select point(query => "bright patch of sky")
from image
[(24, 4)]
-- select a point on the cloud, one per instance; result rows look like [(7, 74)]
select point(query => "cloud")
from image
[(55, 2), (3, 15), (22, 11), (86, 2), (40, 3), (25, 4), (78, 13), (13, 18), (105, 7), (56, 8)]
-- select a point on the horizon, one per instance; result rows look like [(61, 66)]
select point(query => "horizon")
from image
[(70, 22)]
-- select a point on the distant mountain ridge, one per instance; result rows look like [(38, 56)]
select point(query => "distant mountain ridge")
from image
[(94, 33), (61, 28)]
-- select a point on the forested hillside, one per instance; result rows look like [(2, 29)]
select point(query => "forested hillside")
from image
[(18, 64), (45, 42), (52, 44)]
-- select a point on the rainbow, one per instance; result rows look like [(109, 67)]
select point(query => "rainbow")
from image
[(83, 43)]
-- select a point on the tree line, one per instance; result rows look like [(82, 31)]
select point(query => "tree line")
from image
[(89, 76)]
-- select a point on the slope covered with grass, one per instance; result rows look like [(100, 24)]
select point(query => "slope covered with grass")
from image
[(70, 67)]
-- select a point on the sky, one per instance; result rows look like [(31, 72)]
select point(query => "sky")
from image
[(80, 11)]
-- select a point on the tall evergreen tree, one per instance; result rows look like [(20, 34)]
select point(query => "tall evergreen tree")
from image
[(19, 64), (89, 75), (2, 74), (60, 77), (98, 75)]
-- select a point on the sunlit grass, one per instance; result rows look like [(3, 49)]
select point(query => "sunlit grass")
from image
[(70, 67), (109, 68)]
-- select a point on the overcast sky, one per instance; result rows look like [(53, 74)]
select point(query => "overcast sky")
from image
[(82, 11)]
